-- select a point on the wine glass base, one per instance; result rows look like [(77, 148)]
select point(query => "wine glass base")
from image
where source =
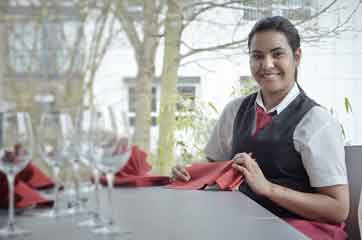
[(109, 230), (12, 231), (48, 213), (91, 223)]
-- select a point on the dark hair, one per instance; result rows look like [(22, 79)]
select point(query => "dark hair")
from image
[(279, 24)]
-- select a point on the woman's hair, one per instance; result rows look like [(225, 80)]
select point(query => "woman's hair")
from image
[(279, 24)]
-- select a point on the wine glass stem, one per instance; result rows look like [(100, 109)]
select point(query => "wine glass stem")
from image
[(96, 193), (76, 184), (110, 178), (11, 180), (56, 171)]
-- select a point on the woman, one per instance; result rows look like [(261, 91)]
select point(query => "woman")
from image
[(288, 148)]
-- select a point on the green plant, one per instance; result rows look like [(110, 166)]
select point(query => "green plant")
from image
[(194, 123)]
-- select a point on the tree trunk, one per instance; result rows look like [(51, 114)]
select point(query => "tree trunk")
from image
[(171, 60), (145, 76), (3, 38)]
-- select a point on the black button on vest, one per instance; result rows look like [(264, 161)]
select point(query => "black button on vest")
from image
[(273, 148)]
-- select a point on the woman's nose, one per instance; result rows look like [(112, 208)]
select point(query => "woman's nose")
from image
[(268, 62)]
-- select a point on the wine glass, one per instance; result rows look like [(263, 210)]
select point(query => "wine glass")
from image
[(16, 149), (70, 142), (84, 128), (50, 142), (112, 149)]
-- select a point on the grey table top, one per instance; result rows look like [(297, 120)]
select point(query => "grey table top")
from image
[(159, 213)]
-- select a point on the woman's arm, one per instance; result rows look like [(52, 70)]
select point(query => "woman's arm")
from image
[(329, 204)]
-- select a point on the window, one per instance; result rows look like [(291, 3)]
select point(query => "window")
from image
[(186, 89), (187, 94), (252, 14), (42, 48), (132, 106), (132, 121), (132, 100), (296, 14)]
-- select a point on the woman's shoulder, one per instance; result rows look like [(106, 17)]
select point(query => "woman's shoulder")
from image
[(319, 114), (318, 119)]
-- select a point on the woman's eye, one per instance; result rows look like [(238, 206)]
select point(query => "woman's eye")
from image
[(256, 56), (278, 54)]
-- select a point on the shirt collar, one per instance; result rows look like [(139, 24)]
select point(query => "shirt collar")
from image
[(292, 94)]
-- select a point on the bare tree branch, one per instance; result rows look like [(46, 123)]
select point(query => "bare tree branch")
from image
[(210, 5), (339, 28), (228, 45), (129, 27)]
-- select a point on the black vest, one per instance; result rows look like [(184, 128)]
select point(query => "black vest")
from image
[(273, 148)]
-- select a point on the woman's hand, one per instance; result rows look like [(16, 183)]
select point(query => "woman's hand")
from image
[(249, 168), (180, 173)]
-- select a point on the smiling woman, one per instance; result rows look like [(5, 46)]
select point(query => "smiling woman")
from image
[(288, 148)]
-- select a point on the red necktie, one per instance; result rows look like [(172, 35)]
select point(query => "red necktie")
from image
[(262, 119)]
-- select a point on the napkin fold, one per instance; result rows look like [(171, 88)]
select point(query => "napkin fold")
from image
[(27, 182), (136, 172), (208, 174), (35, 178)]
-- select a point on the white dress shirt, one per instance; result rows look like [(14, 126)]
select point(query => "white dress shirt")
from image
[(318, 138)]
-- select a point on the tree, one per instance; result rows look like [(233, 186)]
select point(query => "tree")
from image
[(171, 58), (144, 46)]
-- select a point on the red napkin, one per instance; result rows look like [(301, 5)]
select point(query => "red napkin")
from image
[(24, 195), (26, 181), (210, 173), (318, 230), (135, 172), (36, 178)]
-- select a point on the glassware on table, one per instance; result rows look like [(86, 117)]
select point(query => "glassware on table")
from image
[(16, 149), (70, 144), (51, 146), (112, 149), (85, 127)]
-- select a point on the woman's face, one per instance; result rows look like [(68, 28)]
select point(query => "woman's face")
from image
[(272, 62)]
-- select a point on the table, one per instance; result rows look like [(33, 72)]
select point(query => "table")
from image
[(167, 214)]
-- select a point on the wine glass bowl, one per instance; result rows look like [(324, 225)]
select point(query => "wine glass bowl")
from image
[(16, 149)]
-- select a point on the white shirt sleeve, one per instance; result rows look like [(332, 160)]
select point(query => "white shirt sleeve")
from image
[(318, 138), (219, 146)]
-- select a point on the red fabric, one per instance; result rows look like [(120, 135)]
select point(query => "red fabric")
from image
[(26, 181), (318, 230), (35, 178), (262, 119), (136, 172), (210, 173), (24, 194), (29, 197)]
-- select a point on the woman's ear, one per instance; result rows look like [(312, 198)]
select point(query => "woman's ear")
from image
[(298, 56)]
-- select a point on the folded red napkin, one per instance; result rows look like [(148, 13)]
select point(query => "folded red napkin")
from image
[(318, 230), (35, 178), (136, 172), (210, 173), (26, 181), (24, 195)]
